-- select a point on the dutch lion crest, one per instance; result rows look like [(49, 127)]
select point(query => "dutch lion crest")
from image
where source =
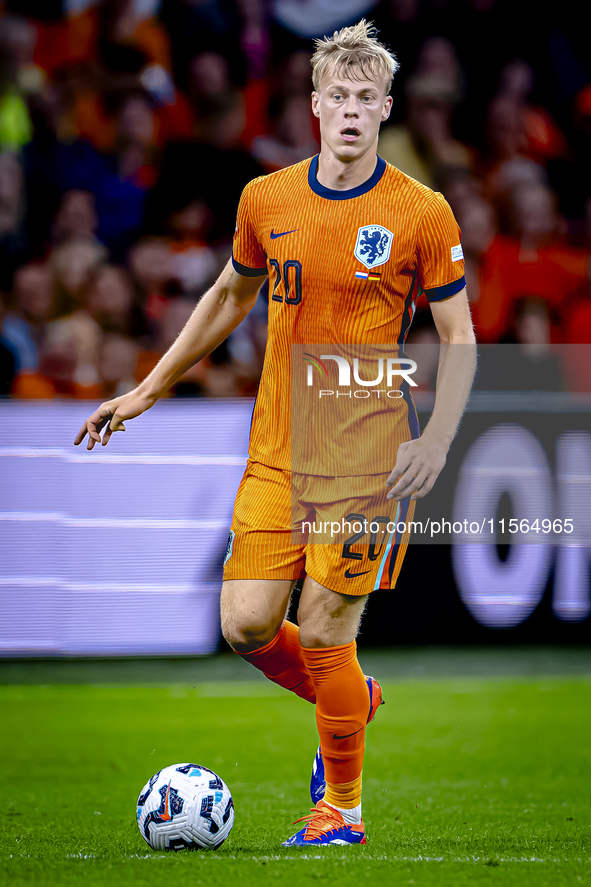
[(373, 245)]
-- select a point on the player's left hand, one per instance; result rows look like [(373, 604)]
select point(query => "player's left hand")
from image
[(418, 465)]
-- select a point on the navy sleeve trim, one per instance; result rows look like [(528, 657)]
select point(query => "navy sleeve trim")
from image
[(439, 293), (248, 272)]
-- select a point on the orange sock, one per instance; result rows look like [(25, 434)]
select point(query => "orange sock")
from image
[(282, 662), (341, 715)]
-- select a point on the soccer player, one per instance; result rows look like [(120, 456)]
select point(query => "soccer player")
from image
[(348, 243)]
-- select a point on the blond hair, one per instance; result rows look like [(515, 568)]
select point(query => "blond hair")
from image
[(354, 53)]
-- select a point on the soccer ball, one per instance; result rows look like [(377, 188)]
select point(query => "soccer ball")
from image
[(185, 807)]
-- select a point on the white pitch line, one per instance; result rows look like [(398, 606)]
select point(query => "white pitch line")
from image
[(387, 858), (297, 856)]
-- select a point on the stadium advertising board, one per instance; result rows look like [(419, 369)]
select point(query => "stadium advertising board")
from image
[(119, 552)]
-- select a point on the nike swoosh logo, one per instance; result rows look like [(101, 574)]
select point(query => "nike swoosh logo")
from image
[(283, 233), (334, 735), (166, 815), (349, 575)]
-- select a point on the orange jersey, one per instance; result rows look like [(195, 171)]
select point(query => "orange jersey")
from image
[(345, 267)]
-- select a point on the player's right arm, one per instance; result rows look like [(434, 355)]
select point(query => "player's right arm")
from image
[(217, 314)]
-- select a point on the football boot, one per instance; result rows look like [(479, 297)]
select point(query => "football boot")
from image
[(325, 825)]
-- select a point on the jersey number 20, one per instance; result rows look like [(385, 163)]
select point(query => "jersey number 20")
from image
[(292, 281)]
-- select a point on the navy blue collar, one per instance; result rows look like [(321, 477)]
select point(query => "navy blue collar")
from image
[(351, 192)]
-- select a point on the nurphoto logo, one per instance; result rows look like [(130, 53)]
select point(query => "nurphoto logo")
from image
[(387, 370)]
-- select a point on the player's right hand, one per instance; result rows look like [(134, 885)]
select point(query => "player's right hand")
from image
[(112, 414)]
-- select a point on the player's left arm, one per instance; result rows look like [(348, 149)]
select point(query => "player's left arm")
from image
[(420, 461)]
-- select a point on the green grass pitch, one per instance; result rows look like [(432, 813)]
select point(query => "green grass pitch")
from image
[(467, 781)]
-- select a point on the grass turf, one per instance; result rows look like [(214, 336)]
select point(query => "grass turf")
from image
[(467, 781)]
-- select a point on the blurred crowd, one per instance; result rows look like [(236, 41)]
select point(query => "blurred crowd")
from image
[(128, 129)]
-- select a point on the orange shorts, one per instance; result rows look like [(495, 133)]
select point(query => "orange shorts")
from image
[(341, 531)]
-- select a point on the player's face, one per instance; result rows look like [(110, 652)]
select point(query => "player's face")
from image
[(350, 114)]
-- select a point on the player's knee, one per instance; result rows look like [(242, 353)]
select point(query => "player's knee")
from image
[(247, 635), (321, 631), (312, 638), (313, 632)]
